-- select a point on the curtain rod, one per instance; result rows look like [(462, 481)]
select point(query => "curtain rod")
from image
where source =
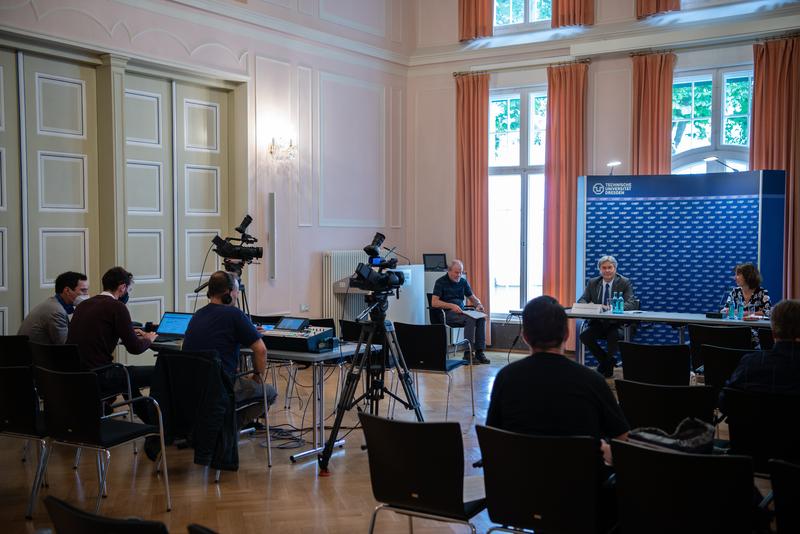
[(790, 35), (648, 52), (520, 67)]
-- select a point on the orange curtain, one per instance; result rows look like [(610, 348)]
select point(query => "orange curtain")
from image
[(472, 182), (645, 8), (774, 137), (565, 160), (652, 114), (572, 13), (475, 19)]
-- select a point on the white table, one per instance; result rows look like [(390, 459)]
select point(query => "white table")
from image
[(678, 320)]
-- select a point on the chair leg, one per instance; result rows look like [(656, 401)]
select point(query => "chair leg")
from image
[(290, 386), (266, 423), (44, 453), (411, 524), (374, 517), (216, 476), (102, 473), (163, 457), (77, 458), (25, 450), (472, 388), (447, 404)]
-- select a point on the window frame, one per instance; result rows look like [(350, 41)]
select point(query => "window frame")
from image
[(524, 170), (526, 26), (716, 147)]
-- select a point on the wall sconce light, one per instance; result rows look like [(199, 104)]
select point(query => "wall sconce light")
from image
[(281, 149), (612, 164), (715, 158)]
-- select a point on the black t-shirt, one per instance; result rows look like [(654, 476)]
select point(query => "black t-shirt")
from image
[(452, 292), (549, 395)]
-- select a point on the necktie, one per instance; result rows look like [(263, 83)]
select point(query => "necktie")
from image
[(605, 294)]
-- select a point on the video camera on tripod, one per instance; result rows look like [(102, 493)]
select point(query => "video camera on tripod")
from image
[(234, 257), (380, 281)]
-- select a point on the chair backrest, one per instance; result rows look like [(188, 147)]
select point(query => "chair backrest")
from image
[(662, 491), (199, 529), (733, 337), (19, 404), (419, 466), (651, 405), (760, 425), (424, 346), (180, 385), (64, 358), (540, 483), (324, 323), (765, 338), (14, 351), (70, 520), (720, 363), (786, 487), (667, 365), (436, 315), (349, 330), (72, 408)]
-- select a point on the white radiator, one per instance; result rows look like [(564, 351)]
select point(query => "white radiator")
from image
[(338, 265)]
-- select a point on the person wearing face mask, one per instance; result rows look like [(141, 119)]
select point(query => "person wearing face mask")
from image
[(48, 322), (100, 323)]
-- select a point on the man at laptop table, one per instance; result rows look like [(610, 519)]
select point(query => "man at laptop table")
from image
[(449, 293), (101, 322), (223, 327)]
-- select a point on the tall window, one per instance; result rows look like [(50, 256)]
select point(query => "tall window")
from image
[(711, 118), (521, 14), (517, 125)]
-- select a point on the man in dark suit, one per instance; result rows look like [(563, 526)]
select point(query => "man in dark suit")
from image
[(600, 290)]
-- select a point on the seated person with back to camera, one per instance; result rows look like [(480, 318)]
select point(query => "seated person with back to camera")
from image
[(48, 322), (600, 290), (548, 394), (449, 293), (223, 327), (99, 323)]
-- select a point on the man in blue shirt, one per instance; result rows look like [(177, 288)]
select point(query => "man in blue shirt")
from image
[(223, 327), (449, 293)]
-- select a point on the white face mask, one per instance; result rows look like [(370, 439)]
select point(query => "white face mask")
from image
[(79, 299)]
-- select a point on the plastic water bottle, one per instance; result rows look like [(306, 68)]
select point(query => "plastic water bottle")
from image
[(618, 303), (731, 308), (740, 311)]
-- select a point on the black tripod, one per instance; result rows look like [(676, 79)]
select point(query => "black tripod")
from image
[(374, 362)]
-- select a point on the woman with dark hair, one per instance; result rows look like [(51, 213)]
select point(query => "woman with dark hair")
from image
[(748, 291)]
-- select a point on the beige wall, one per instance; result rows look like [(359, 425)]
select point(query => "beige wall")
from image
[(365, 88)]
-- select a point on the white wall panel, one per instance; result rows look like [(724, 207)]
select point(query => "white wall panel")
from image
[(60, 106), (63, 182), (143, 124), (62, 249)]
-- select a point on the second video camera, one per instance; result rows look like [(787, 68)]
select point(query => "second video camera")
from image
[(380, 280)]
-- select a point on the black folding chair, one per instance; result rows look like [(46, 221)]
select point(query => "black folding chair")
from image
[(651, 405), (760, 425), (424, 349), (14, 351), (547, 484), (733, 337), (20, 418), (70, 520), (720, 363), (765, 338), (786, 487), (417, 469), (74, 417), (663, 492), (667, 365)]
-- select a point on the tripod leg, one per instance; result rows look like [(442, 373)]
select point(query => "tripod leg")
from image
[(404, 375)]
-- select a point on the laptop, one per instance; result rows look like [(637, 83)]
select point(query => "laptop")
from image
[(172, 326), (435, 262)]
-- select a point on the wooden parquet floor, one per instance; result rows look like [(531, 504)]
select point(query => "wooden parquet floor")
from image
[(286, 498)]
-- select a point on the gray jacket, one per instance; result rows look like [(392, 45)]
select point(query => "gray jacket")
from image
[(47, 323), (594, 291)]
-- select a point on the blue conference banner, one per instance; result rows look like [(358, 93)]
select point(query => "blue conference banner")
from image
[(678, 237)]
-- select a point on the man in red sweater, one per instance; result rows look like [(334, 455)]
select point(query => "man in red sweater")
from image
[(98, 325)]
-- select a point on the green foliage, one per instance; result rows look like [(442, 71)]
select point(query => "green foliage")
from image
[(542, 10), (509, 12)]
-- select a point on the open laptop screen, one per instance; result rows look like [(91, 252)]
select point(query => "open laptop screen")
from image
[(435, 262), (174, 323)]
